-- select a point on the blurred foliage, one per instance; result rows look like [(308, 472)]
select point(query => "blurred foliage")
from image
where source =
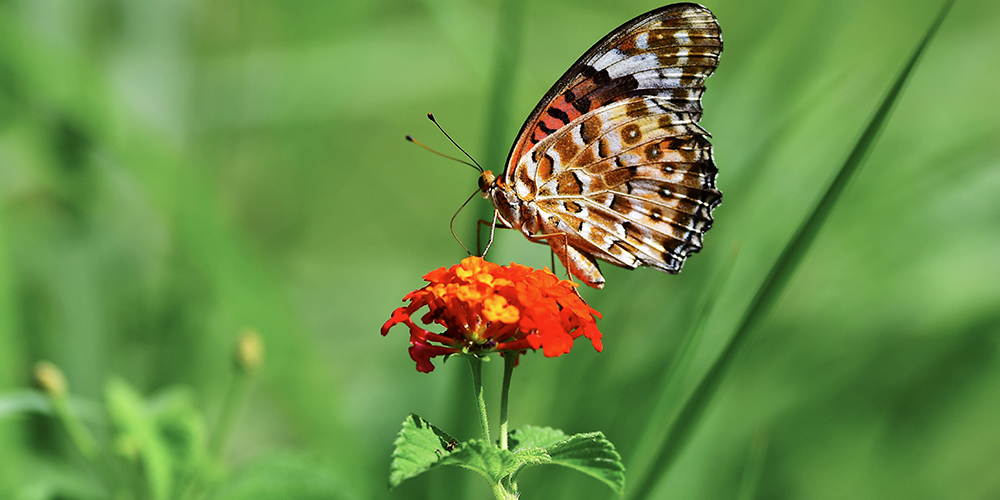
[(174, 172)]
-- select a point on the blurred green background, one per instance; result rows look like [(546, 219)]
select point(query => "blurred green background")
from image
[(172, 172)]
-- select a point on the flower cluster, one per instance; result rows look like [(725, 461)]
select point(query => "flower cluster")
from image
[(485, 307)]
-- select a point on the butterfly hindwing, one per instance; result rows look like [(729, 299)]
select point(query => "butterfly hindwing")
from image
[(632, 183)]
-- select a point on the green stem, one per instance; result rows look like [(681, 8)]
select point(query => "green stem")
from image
[(501, 493), (508, 369), (477, 387), (229, 406), (83, 440), (78, 434)]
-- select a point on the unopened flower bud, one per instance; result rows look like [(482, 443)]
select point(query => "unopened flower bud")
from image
[(249, 351), (50, 379)]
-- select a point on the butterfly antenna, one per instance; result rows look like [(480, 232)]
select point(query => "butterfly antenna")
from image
[(451, 225), (430, 116), (418, 143)]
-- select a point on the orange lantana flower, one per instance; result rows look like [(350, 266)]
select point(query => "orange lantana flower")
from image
[(485, 307)]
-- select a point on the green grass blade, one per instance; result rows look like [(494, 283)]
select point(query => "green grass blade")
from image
[(670, 386), (754, 466), (779, 275), (507, 56)]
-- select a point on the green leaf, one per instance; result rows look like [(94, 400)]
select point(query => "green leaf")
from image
[(589, 453), (180, 426), (419, 447), (138, 438), (34, 401), (485, 458), (25, 401), (531, 456), (530, 436)]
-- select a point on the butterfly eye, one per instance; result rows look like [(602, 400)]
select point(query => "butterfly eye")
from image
[(486, 180)]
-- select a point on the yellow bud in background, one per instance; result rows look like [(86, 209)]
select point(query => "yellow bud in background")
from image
[(50, 379), (249, 351)]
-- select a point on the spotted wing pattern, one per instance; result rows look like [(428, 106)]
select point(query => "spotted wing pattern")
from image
[(666, 52), (612, 163)]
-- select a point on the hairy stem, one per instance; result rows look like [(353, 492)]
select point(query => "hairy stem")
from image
[(477, 387), (508, 369)]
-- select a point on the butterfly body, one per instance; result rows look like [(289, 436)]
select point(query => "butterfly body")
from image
[(612, 163)]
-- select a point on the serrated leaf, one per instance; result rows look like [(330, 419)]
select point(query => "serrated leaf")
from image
[(422, 446), (531, 456), (530, 436), (492, 462), (590, 453), (419, 447)]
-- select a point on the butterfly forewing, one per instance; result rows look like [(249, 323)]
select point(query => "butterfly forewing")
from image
[(666, 52), (612, 163)]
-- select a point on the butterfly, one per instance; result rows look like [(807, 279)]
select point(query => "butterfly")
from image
[(612, 163)]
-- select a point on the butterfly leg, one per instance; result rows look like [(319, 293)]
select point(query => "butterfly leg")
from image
[(577, 263), (493, 226)]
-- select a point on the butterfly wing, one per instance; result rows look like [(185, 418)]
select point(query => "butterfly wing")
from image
[(612, 160), (667, 52), (631, 183)]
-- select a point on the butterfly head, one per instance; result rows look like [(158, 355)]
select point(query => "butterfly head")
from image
[(486, 183), (511, 210)]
